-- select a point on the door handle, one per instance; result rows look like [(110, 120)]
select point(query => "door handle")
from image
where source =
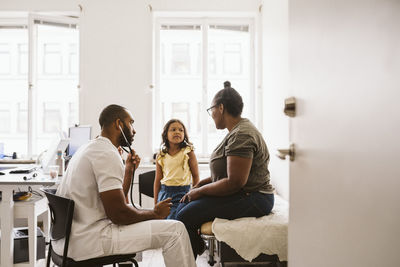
[(291, 152), (290, 107)]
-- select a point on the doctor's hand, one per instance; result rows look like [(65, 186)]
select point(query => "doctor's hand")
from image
[(120, 151), (163, 208), (191, 195), (132, 161)]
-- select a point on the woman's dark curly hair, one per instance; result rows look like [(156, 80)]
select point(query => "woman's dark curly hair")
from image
[(164, 136), (231, 99)]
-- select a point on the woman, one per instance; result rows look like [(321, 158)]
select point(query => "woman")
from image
[(239, 183)]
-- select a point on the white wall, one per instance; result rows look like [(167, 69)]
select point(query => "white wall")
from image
[(116, 52), (275, 78), (116, 56)]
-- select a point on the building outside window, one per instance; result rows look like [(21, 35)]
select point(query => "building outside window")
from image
[(23, 59), (38, 79), (5, 118), (52, 59), (5, 59), (193, 57), (22, 120)]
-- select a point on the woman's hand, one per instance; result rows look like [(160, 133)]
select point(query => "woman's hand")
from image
[(192, 195)]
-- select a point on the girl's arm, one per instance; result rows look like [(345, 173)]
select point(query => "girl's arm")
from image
[(157, 182), (194, 167)]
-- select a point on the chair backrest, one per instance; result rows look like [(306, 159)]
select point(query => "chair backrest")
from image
[(62, 212), (146, 184)]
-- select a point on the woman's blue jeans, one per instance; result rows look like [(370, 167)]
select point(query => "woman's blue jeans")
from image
[(238, 205)]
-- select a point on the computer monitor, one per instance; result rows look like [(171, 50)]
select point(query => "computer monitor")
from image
[(78, 136), (49, 156)]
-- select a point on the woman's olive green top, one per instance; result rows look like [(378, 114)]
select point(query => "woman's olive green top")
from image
[(244, 140)]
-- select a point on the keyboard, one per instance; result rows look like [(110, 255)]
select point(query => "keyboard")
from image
[(6, 168), (25, 169)]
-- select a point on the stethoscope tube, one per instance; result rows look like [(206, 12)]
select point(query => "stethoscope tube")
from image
[(133, 177)]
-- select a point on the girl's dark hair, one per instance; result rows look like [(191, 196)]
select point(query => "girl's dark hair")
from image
[(231, 99), (164, 136)]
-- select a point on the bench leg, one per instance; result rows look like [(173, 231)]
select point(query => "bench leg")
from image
[(211, 250)]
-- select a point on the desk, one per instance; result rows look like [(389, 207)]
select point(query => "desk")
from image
[(8, 183)]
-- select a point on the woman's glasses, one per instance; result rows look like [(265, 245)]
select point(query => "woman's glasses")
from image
[(209, 109)]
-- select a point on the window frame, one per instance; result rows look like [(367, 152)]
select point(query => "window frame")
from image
[(33, 21), (204, 19), (29, 21)]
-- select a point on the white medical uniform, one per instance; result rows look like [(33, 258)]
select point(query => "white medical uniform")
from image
[(97, 167)]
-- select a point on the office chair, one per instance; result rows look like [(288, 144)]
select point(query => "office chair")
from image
[(146, 183), (62, 211)]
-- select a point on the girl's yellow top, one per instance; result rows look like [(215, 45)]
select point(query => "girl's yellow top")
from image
[(176, 170)]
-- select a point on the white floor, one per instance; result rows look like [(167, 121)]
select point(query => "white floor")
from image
[(153, 258)]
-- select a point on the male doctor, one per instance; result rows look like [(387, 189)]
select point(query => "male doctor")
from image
[(104, 224)]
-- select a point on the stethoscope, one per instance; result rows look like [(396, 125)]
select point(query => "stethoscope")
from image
[(134, 167)]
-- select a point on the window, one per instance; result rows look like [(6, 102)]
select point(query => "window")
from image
[(23, 59), (232, 59), (212, 59), (73, 59), (52, 59), (56, 84), (73, 114), (180, 59), (185, 85), (52, 119), (5, 59), (22, 117), (49, 63), (14, 39), (5, 118)]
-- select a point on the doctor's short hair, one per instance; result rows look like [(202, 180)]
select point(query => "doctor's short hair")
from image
[(110, 114), (231, 99)]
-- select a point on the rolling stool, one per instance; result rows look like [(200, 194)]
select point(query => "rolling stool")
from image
[(209, 237)]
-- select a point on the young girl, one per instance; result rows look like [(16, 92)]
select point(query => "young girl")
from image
[(176, 165)]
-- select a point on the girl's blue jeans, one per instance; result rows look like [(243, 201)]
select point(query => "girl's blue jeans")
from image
[(238, 205), (174, 192)]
